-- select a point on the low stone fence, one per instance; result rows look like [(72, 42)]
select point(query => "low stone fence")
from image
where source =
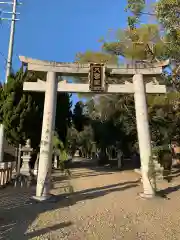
[(6, 169)]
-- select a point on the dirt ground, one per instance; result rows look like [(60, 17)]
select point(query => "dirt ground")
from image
[(105, 205)]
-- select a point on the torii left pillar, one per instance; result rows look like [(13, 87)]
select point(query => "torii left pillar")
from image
[(48, 125)]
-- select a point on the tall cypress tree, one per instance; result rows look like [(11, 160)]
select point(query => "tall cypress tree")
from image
[(78, 116), (21, 113)]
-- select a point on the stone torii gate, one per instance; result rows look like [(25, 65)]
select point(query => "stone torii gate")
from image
[(98, 76)]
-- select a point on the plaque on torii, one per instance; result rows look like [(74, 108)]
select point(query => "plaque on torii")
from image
[(98, 76)]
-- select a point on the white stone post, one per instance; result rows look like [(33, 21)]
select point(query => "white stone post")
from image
[(55, 161), (143, 133), (45, 158), (1, 142), (119, 158)]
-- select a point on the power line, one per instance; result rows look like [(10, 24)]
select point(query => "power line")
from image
[(5, 60), (2, 54), (13, 20)]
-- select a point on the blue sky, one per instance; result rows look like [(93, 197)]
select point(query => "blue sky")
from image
[(58, 29)]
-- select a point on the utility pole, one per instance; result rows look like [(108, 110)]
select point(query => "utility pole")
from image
[(9, 59)]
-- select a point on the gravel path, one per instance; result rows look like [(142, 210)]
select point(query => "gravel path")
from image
[(105, 205)]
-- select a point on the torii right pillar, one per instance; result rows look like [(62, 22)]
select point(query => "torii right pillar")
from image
[(143, 134)]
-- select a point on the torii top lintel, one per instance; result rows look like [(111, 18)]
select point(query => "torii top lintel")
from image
[(74, 69)]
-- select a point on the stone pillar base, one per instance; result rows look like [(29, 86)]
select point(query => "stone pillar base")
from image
[(48, 198), (147, 196)]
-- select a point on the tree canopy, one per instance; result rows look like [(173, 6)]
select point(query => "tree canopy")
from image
[(21, 113), (112, 117)]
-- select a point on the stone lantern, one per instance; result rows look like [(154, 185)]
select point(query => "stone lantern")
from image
[(26, 156)]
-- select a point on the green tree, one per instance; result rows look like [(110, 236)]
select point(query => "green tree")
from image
[(168, 15), (96, 57), (86, 137), (143, 43), (21, 113), (63, 115), (139, 42), (78, 117), (17, 110), (61, 151), (113, 120), (72, 140)]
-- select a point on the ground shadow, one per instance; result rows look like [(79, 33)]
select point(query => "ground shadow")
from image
[(79, 175), (167, 191), (49, 229), (112, 186), (17, 211), (93, 164)]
